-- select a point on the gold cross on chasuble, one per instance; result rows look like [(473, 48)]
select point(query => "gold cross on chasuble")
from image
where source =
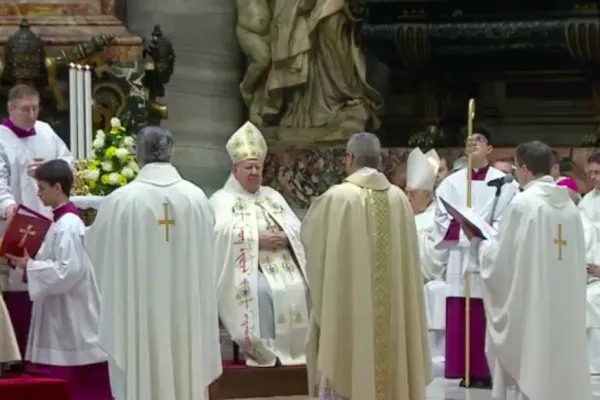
[(560, 242), (166, 221), (26, 233)]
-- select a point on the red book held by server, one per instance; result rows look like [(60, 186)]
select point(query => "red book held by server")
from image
[(26, 230)]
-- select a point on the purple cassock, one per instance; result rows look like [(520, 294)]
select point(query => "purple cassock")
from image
[(18, 304), (455, 322)]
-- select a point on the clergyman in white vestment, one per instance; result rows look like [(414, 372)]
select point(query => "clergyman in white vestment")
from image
[(489, 202), (63, 341), (152, 247), (25, 143), (592, 251), (263, 300), (421, 171), (590, 205), (533, 286)]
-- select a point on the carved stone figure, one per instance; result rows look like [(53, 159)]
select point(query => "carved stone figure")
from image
[(306, 72)]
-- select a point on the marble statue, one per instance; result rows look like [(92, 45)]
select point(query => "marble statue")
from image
[(306, 73)]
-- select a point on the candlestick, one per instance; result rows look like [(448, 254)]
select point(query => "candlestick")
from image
[(89, 133), (73, 109), (80, 112)]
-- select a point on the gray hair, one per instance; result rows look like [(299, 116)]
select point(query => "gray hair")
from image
[(459, 163), (153, 145), (366, 149)]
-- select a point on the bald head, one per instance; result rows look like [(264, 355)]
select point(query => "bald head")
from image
[(365, 149), (154, 145)]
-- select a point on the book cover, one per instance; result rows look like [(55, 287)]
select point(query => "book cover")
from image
[(26, 230)]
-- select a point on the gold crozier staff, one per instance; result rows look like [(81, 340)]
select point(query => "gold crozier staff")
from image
[(470, 118)]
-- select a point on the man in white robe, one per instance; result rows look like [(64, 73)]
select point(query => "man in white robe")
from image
[(421, 171), (489, 202), (152, 247), (536, 341), (25, 143), (590, 205), (261, 286)]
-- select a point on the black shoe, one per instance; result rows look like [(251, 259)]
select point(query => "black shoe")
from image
[(18, 368), (477, 383)]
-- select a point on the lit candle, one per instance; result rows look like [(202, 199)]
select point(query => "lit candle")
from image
[(73, 109), (80, 113), (89, 133)]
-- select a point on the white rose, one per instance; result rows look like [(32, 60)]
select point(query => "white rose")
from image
[(100, 134), (127, 172), (133, 165), (92, 174), (107, 165), (98, 143), (121, 153), (128, 141), (113, 178), (115, 122)]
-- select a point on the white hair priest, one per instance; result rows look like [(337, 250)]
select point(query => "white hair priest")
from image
[(261, 285), (151, 245), (421, 172)]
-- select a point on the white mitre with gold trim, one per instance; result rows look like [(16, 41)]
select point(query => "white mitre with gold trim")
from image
[(247, 143), (422, 169)]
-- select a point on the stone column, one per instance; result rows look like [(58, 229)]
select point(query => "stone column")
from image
[(205, 107)]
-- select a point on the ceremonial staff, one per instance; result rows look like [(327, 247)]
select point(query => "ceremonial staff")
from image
[(470, 118)]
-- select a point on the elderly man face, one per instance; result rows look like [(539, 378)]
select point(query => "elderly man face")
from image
[(249, 174), (419, 199)]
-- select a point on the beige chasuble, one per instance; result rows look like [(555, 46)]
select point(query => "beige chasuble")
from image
[(368, 336), (9, 350)]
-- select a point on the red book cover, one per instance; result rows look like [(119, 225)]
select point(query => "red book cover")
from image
[(26, 230), (462, 220)]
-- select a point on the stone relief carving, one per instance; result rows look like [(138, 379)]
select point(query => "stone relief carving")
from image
[(306, 76)]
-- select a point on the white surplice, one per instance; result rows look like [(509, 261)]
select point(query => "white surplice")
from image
[(16, 186), (152, 247), (533, 285), (433, 265), (66, 300), (592, 250), (263, 300), (590, 206), (454, 190)]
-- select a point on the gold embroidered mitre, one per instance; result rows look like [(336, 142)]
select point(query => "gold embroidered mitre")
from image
[(247, 143)]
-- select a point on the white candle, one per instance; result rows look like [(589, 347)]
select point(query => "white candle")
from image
[(73, 109), (80, 113), (89, 132)]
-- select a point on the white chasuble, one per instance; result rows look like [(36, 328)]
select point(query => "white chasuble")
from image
[(16, 186), (249, 274), (592, 241), (454, 190)]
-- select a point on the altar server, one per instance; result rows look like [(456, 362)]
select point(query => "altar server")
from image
[(263, 299), (368, 336), (25, 143), (490, 204), (152, 247), (421, 170), (533, 284), (590, 205), (63, 342)]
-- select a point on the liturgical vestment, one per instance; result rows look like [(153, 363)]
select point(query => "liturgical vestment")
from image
[(368, 337), (152, 247), (592, 251), (533, 286), (17, 151), (485, 203), (262, 294), (590, 206)]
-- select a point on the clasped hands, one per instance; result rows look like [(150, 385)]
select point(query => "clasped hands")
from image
[(271, 240), (594, 270)]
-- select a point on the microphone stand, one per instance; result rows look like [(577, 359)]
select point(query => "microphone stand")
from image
[(495, 204)]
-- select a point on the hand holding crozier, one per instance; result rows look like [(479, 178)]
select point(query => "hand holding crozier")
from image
[(269, 240)]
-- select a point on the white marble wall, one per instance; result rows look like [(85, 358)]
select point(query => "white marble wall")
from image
[(204, 102)]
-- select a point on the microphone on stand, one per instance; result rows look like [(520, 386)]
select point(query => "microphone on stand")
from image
[(498, 183)]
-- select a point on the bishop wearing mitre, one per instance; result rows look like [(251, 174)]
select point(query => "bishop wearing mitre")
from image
[(421, 172), (261, 285)]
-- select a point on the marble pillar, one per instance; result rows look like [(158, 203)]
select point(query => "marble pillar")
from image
[(205, 107)]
